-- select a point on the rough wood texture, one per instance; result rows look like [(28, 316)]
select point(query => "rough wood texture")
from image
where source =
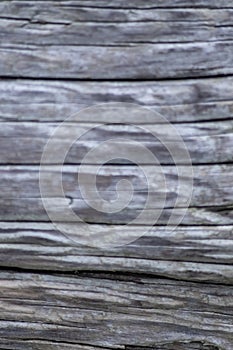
[(19, 7), (143, 61), (64, 26), (43, 41), (114, 312), (172, 288), (206, 142), (211, 201), (195, 253), (178, 101)]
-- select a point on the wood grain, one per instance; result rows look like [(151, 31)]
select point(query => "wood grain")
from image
[(122, 314), (16, 7), (211, 201), (178, 101), (172, 288), (135, 45), (206, 142), (144, 61), (65, 25), (192, 254), (32, 209), (138, 44)]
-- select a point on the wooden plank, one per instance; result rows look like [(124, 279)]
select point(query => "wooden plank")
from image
[(212, 185), (172, 288), (96, 311), (28, 15), (144, 61), (30, 6), (32, 209), (62, 25), (33, 45), (41, 245), (178, 101), (206, 142), (211, 201)]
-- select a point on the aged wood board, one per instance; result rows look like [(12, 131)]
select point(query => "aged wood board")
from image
[(172, 287)]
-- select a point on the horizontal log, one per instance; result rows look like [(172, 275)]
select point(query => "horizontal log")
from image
[(211, 197), (212, 185), (61, 25), (142, 61), (30, 7), (114, 315), (206, 142), (42, 245), (181, 101), (26, 14), (32, 209), (141, 295)]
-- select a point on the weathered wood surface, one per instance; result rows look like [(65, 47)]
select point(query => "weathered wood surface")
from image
[(138, 44), (211, 201), (112, 312), (32, 209), (172, 288), (206, 142), (178, 101), (194, 254), (64, 26), (18, 7), (142, 61)]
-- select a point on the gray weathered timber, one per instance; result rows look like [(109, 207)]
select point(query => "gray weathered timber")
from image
[(213, 185), (206, 142), (139, 61), (113, 312), (178, 101), (46, 41), (195, 253), (170, 289), (211, 202), (32, 209), (14, 8), (57, 15), (89, 26)]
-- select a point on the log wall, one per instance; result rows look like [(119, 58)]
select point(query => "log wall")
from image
[(168, 290)]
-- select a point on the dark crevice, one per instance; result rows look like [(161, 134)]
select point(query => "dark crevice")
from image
[(210, 164), (121, 276), (175, 122), (127, 80), (119, 80), (14, 18), (211, 225), (199, 121)]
